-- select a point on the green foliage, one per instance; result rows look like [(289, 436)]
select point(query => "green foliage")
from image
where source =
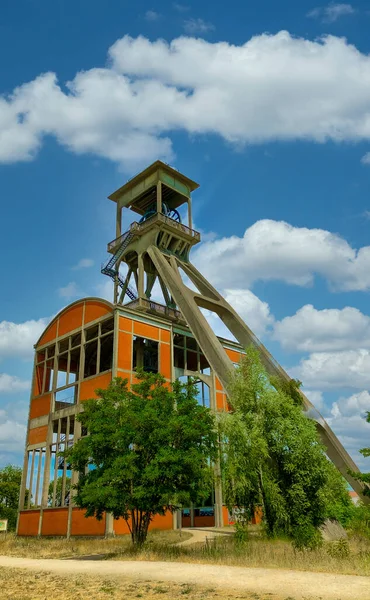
[(272, 456), (150, 449), (359, 523), (241, 532), (364, 477), (339, 506), (10, 482)]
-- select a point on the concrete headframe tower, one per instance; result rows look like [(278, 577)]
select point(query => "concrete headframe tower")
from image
[(157, 247)]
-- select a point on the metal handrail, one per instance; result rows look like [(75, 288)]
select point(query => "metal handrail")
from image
[(136, 227)]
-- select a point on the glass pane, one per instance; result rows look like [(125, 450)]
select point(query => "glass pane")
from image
[(91, 352), (63, 345), (191, 343), (74, 365), (179, 358), (92, 332), (106, 353), (51, 351), (179, 340), (107, 326), (62, 370), (76, 340), (191, 361)]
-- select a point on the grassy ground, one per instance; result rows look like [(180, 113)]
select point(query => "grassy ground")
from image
[(31, 547), (20, 584), (259, 552), (352, 559)]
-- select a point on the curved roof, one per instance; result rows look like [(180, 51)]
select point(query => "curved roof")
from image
[(72, 316)]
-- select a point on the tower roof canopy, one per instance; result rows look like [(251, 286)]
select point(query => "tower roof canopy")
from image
[(139, 192)]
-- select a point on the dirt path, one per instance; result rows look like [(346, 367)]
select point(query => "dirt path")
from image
[(297, 585), (199, 535)]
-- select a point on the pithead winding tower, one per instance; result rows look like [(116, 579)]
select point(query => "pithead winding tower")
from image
[(157, 247), (91, 341)]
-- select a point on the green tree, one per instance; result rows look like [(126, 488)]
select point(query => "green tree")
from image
[(339, 505), (272, 456), (150, 448), (364, 477), (10, 482)]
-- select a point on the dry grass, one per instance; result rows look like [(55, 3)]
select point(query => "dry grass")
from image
[(20, 584), (28, 547), (256, 552), (260, 552)]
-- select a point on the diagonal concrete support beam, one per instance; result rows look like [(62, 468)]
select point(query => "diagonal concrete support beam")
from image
[(190, 302)]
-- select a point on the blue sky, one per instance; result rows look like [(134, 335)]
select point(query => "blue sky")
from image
[(266, 105)]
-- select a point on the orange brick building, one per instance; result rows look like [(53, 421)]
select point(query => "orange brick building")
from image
[(87, 344)]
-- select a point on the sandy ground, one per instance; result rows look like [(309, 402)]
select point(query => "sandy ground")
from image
[(297, 585)]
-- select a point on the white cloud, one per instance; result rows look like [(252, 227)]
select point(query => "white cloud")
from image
[(354, 433), (194, 26), (17, 339), (316, 397), (84, 263), (9, 384), (151, 15), (311, 330), (332, 12), (71, 290), (334, 370), (357, 404), (12, 436), (252, 310), (273, 87), (275, 250), (366, 159)]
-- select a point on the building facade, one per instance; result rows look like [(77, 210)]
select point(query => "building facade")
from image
[(83, 348)]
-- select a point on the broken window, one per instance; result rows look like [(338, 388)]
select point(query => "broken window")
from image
[(34, 478), (60, 470), (145, 355), (59, 368)]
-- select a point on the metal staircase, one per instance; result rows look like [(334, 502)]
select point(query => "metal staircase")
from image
[(109, 269)]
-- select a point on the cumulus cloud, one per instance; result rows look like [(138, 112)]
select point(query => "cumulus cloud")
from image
[(357, 404), (332, 12), (273, 87), (366, 159), (334, 370), (9, 384), (311, 330), (316, 397), (17, 339), (354, 433), (252, 310), (12, 435), (275, 250)]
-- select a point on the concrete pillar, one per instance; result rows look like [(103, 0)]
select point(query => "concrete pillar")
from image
[(159, 197)]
